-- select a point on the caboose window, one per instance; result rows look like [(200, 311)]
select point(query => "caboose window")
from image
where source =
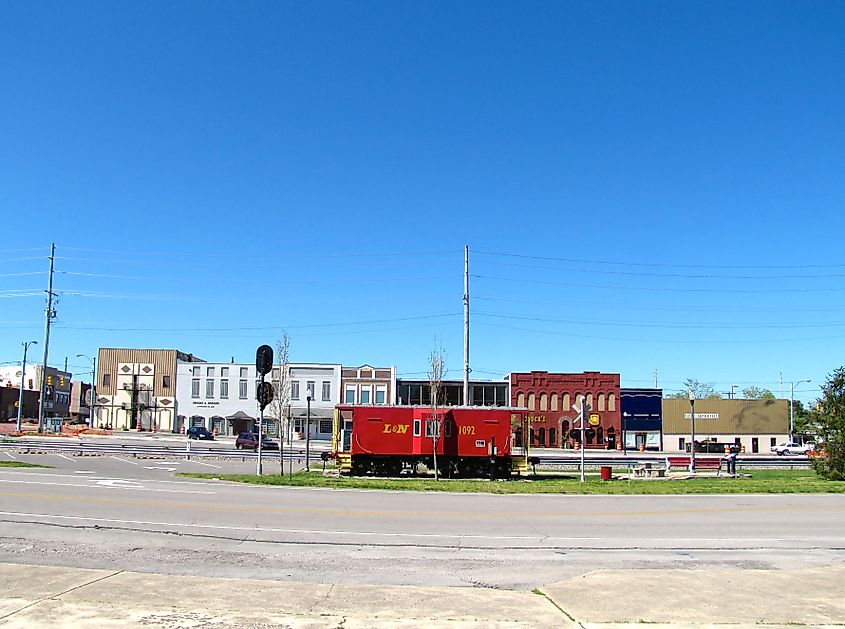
[(417, 427), (448, 428), (432, 428)]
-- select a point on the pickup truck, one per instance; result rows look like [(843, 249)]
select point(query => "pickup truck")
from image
[(791, 447)]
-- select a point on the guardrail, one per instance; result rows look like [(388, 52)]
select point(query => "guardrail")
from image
[(148, 451)]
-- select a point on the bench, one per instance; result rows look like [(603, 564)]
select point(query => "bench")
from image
[(701, 463)]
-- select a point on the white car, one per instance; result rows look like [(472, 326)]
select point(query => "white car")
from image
[(791, 447)]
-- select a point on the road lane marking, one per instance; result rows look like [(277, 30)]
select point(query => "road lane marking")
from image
[(66, 457), (117, 458), (10, 455), (113, 483)]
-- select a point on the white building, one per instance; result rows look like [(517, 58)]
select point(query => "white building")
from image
[(222, 396)]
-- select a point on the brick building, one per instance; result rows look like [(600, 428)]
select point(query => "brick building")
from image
[(550, 398)]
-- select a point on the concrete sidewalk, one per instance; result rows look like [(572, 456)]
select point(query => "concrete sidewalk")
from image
[(36, 596)]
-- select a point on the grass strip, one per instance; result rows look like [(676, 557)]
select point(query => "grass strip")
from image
[(760, 482), (19, 464)]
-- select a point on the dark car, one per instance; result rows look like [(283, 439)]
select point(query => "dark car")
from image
[(199, 432), (249, 441)]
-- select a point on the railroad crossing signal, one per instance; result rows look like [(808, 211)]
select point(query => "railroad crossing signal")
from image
[(264, 393), (264, 359)]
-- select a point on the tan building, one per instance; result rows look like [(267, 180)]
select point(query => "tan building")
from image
[(136, 388), (368, 385), (756, 424)]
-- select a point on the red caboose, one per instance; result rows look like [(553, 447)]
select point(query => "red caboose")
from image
[(387, 440)]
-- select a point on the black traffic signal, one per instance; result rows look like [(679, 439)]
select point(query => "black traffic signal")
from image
[(264, 359), (264, 394)]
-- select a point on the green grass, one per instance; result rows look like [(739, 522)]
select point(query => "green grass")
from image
[(761, 482), (18, 464)]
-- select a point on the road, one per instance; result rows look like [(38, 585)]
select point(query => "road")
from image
[(107, 512)]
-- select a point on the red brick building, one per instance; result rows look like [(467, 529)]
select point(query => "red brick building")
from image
[(550, 398)]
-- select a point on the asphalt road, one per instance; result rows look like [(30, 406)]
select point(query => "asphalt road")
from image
[(126, 514)]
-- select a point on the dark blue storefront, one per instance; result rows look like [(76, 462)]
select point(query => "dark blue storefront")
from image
[(642, 418)]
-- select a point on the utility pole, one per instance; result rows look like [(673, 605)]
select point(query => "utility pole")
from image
[(51, 314), (466, 325)]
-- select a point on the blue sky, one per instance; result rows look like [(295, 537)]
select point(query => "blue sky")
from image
[(643, 186)]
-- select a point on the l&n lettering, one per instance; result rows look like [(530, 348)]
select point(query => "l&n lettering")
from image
[(399, 429)]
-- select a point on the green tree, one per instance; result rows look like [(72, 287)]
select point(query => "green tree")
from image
[(702, 391), (828, 422), (756, 393)]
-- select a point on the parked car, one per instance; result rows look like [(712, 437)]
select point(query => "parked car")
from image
[(790, 447), (249, 441), (200, 432)]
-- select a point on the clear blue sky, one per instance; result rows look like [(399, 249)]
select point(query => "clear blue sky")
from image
[(649, 185)]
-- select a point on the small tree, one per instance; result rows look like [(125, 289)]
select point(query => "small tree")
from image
[(280, 406), (756, 393), (702, 391), (828, 422), (436, 371)]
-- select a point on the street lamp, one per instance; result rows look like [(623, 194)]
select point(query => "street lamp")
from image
[(692, 431), (308, 432), (93, 387), (23, 375), (792, 407)]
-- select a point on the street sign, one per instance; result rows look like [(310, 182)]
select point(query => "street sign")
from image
[(595, 419)]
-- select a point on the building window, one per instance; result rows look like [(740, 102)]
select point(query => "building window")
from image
[(195, 387), (601, 401), (532, 402), (326, 426), (381, 395), (309, 389), (224, 372), (554, 402), (209, 388), (590, 400), (224, 389), (565, 405), (365, 395), (106, 380), (195, 371), (327, 391), (611, 402), (294, 389), (682, 444), (244, 372), (773, 442), (275, 373), (165, 382), (520, 400), (350, 395), (544, 402), (209, 372), (242, 390)]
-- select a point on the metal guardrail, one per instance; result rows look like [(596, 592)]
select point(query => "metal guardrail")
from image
[(545, 460), (150, 451)]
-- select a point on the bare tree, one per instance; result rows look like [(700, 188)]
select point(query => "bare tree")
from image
[(436, 371), (280, 406)]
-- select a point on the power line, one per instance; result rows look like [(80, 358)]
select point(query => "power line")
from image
[(696, 325), (658, 264), (660, 289)]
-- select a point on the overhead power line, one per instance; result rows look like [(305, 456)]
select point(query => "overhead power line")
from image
[(656, 289), (660, 264)]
